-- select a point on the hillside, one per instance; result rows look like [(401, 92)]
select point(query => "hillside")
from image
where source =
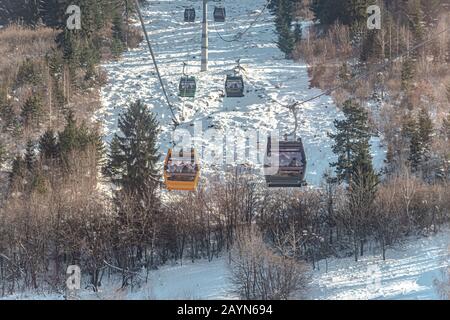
[(270, 79)]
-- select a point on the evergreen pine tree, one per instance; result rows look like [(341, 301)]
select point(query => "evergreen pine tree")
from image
[(352, 141), (28, 73), (67, 41), (425, 131), (117, 45), (298, 33), (410, 134), (356, 13), (24, 11), (418, 133), (68, 138), (370, 48), (48, 145), (30, 156), (31, 110), (446, 128), (408, 73), (2, 154), (349, 12), (361, 197), (52, 12), (78, 138), (448, 92), (18, 172), (283, 25), (416, 19), (415, 150), (328, 11), (133, 156), (118, 29)]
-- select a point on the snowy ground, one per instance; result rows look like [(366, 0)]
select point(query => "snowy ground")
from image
[(409, 272), (268, 77)]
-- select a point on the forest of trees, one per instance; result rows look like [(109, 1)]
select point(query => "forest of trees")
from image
[(54, 214)]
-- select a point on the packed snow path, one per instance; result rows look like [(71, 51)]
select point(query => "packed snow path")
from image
[(268, 77)]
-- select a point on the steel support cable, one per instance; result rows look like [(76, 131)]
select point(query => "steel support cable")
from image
[(380, 68), (362, 75), (294, 105), (240, 34), (174, 119)]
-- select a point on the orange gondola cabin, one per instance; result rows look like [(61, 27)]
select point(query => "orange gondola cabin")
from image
[(181, 171)]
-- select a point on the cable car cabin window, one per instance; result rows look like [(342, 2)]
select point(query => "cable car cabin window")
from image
[(290, 159), (219, 14), (182, 168), (234, 87), (291, 165), (234, 84), (189, 15)]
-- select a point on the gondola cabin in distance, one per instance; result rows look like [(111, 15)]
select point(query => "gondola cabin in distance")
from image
[(181, 171), (187, 87), (219, 14), (234, 86), (189, 15)]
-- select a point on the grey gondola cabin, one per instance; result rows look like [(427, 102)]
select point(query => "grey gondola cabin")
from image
[(285, 164), (187, 87), (219, 14), (189, 15), (234, 86)]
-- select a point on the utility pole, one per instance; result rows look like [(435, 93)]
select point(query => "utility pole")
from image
[(205, 37)]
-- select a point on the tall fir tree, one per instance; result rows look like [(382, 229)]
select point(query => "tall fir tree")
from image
[(78, 138), (48, 145), (53, 12), (425, 130), (18, 173), (68, 138), (298, 33), (283, 25), (352, 142), (348, 12), (30, 155), (327, 12), (2, 154), (118, 32), (407, 73), (133, 157), (361, 198), (31, 110), (418, 134), (416, 19)]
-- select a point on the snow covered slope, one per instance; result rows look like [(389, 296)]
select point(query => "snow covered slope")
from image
[(409, 272), (268, 77)]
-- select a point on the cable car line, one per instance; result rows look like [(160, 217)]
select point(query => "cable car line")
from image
[(174, 119), (362, 75), (240, 34)]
